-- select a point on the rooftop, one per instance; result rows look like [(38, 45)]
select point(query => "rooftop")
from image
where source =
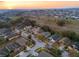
[(55, 37), (13, 46), (44, 54)]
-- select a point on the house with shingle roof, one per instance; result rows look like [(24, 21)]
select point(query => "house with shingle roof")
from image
[(54, 38)]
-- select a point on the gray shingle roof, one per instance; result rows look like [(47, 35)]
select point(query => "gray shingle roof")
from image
[(55, 37), (13, 46)]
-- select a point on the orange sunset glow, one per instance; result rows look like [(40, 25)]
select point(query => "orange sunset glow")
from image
[(37, 4)]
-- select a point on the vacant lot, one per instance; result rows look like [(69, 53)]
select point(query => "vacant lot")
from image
[(51, 22)]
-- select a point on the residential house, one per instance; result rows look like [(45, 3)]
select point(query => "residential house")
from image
[(25, 34), (3, 37), (36, 30), (8, 34), (46, 34), (4, 30), (21, 41), (28, 28), (44, 54), (17, 31), (76, 45), (12, 36), (65, 41), (61, 47), (54, 38), (14, 47), (72, 51), (65, 54), (4, 52)]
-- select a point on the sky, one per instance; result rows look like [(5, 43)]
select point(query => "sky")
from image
[(22, 4)]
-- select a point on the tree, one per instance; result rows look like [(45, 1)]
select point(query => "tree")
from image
[(71, 35), (77, 54), (42, 38), (29, 22), (46, 28), (30, 43), (55, 51), (2, 40), (60, 22)]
